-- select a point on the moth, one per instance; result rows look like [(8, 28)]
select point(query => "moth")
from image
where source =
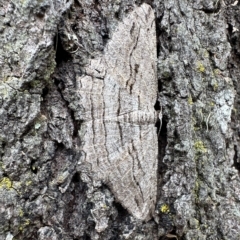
[(117, 96)]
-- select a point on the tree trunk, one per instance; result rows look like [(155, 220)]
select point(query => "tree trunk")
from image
[(84, 154)]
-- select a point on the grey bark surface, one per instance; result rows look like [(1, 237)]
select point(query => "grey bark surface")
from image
[(78, 142)]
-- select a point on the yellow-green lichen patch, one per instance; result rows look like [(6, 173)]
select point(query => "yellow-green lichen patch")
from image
[(26, 223), (21, 213), (215, 86), (206, 53), (199, 146), (196, 189), (27, 183), (6, 183), (33, 167), (164, 208), (200, 67), (196, 128), (216, 71), (190, 101), (212, 104), (104, 206)]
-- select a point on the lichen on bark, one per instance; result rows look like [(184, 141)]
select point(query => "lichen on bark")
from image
[(45, 194)]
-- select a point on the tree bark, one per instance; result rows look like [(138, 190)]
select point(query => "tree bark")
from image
[(189, 56)]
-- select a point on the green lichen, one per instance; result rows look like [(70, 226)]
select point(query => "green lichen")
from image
[(212, 104), (164, 208), (206, 53), (215, 86), (6, 183), (21, 213), (26, 223), (199, 147), (190, 101), (216, 71), (34, 167), (196, 186), (196, 128), (200, 67), (28, 183), (105, 206)]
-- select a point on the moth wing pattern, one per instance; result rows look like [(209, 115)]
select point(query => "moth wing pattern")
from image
[(118, 132)]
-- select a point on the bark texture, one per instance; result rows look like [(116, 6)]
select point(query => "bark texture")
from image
[(48, 48)]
